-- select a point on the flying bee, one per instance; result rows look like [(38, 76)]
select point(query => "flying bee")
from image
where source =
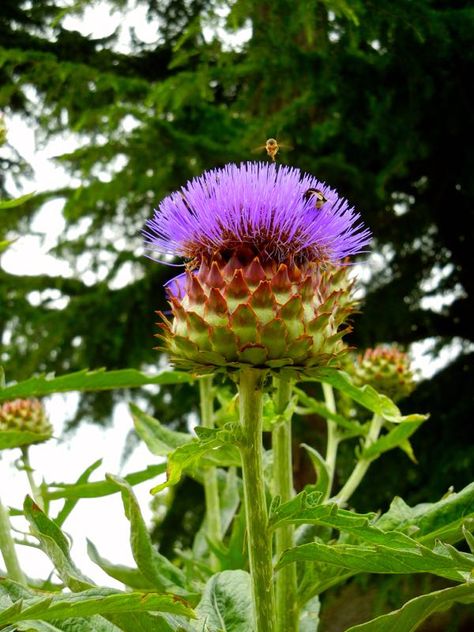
[(317, 196), (272, 147)]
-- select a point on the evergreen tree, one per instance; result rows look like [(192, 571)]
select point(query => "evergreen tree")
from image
[(373, 98)]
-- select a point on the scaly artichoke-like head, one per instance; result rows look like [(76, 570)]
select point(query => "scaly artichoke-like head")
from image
[(26, 415), (264, 283), (387, 369)]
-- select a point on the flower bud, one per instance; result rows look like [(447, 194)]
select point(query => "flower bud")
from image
[(387, 369), (26, 415)]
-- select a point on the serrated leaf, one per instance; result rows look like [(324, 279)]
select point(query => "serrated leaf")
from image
[(92, 602), (395, 437), (323, 479), (213, 450), (159, 439), (101, 488), (154, 566), (431, 521), (131, 577), (99, 380), (56, 546), (16, 438), (366, 396), (91, 624), (391, 553), (415, 611), (226, 604)]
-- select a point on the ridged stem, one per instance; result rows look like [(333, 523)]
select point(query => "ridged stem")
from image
[(211, 488), (285, 584), (259, 540), (363, 465), (333, 436), (7, 547)]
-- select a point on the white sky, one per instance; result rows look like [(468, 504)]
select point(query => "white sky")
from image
[(101, 520)]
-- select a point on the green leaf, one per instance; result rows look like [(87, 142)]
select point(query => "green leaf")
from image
[(92, 602), (391, 552), (353, 428), (154, 566), (99, 380), (395, 437), (159, 439), (415, 611), (213, 447), (7, 204), (4, 245), (430, 521), (323, 480), (366, 396), (101, 488), (71, 503), (131, 577), (226, 604), (56, 546), (16, 438), (91, 624)]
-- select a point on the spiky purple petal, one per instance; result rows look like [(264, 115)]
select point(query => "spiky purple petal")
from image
[(259, 206)]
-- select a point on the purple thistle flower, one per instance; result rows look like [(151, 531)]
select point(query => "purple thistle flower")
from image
[(264, 285), (269, 211)]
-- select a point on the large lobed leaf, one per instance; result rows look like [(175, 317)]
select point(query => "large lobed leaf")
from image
[(92, 602), (156, 568), (212, 447), (430, 521), (55, 544), (99, 380), (415, 611), (366, 396), (226, 604), (379, 551)]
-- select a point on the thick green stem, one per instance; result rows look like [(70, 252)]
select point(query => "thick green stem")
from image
[(285, 586), (37, 497), (7, 547), (363, 465), (211, 488), (259, 540), (333, 436)]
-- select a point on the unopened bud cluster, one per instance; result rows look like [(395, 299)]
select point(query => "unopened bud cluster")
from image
[(25, 415), (387, 369)]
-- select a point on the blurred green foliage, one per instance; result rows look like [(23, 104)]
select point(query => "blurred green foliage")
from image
[(373, 98)]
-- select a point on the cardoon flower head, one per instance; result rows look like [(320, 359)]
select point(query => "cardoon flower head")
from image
[(264, 284), (28, 416), (387, 369)]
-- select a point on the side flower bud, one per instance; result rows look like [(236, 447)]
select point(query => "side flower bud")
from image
[(26, 415), (387, 369)]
